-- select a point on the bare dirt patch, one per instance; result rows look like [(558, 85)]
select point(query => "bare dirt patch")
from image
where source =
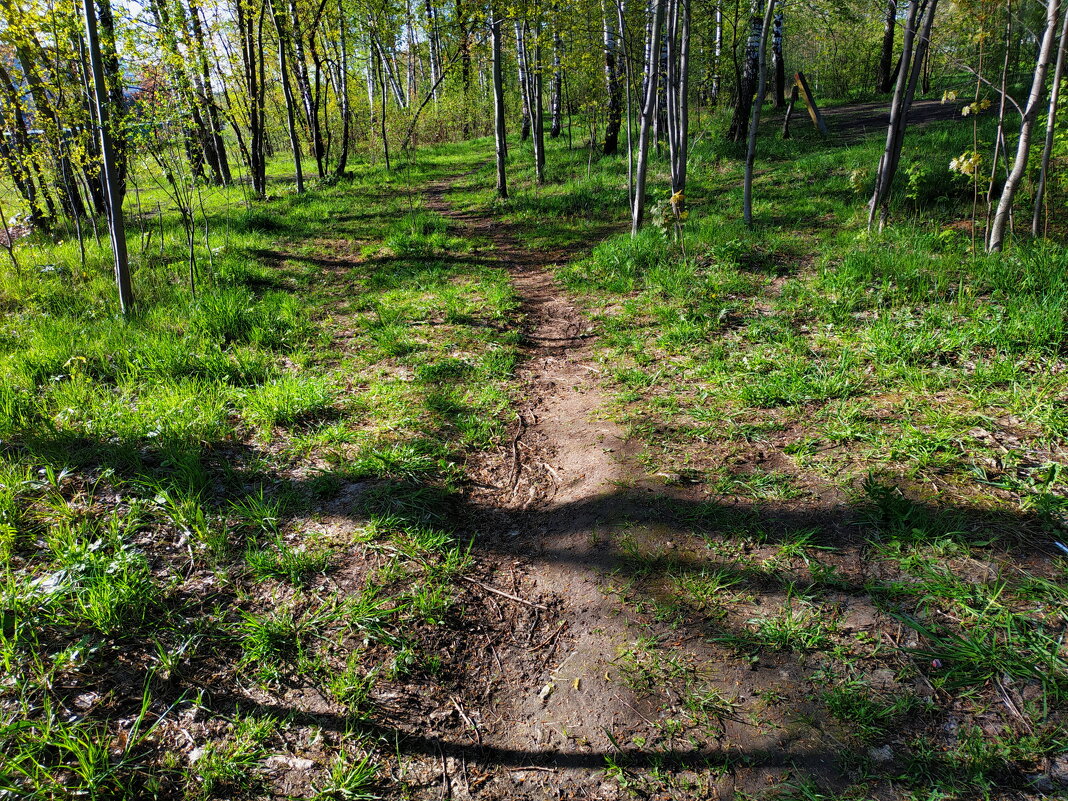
[(618, 693)]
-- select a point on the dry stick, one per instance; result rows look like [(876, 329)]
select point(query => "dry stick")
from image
[(504, 594), (517, 465), (467, 720), (551, 638)]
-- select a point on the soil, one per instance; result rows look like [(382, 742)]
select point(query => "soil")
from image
[(554, 504)]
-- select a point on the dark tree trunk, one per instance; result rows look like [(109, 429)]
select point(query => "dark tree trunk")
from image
[(556, 119), (499, 131), (777, 62), (614, 84), (747, 86), (648, 110), (884, 78)]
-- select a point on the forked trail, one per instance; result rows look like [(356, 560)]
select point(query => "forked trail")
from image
[(566, 503)]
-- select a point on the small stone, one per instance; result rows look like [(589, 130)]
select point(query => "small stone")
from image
[(1058, 771), (86, 700), (881, 754), (282, 762)]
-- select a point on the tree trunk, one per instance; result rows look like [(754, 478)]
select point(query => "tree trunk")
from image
[(432, 44), (287, 91), (898, 117), (743, 105), (499, 132), (613, 84), (111, 178), (750, 151), (537, 110), (884, 77), (778, 63), (678, 103), (343, 93), (556, 101), (648, 110), (1051, 119), (621, 19), (717, 53), (218, 145), (524, 79), (1027, 124)]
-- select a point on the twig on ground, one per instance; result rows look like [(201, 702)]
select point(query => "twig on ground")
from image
[(504, 594)]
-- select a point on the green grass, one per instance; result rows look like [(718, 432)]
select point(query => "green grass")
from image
[(875, 422), (164, 481), (254, 489)]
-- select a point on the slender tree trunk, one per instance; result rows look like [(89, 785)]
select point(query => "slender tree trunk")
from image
[(382, 113), (678, 103), (212, 108), (116, 99), (999, 135), (743, 105), (778, 63), (432, 44), (750, 151), (898, 115), (538, 111), (111, 178), (287, 91), (1019, 165), (343, 93), (622, 15), (524, 79), (613, 84), (717, 54), (1051, 119), (557, 99), (648, 110), (884, 76), (500, 133)]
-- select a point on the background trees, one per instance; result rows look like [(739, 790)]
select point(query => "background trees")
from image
[(330, 80)]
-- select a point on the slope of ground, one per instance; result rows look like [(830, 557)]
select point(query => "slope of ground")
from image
[(421, 498)]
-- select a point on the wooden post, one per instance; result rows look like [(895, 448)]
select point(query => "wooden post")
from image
[(813, 111), (789, 113)]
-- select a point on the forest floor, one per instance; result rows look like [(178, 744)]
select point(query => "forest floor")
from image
[(425, 495)]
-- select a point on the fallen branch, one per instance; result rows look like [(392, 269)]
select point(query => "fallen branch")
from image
[(504, 594)]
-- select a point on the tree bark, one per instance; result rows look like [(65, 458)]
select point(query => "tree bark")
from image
[(524, 79), (648, 110), (884, 77), (557, 99), (287, 91), (747, 86), (613, 84), (1051, 119), (899, 108), (111, 178), (499, 132), (750, 152), (1027, 124), (778, 63)]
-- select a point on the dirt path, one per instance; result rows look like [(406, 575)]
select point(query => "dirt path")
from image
[(568, 493)]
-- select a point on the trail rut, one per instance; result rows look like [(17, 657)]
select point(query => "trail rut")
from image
[(557, 501)]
